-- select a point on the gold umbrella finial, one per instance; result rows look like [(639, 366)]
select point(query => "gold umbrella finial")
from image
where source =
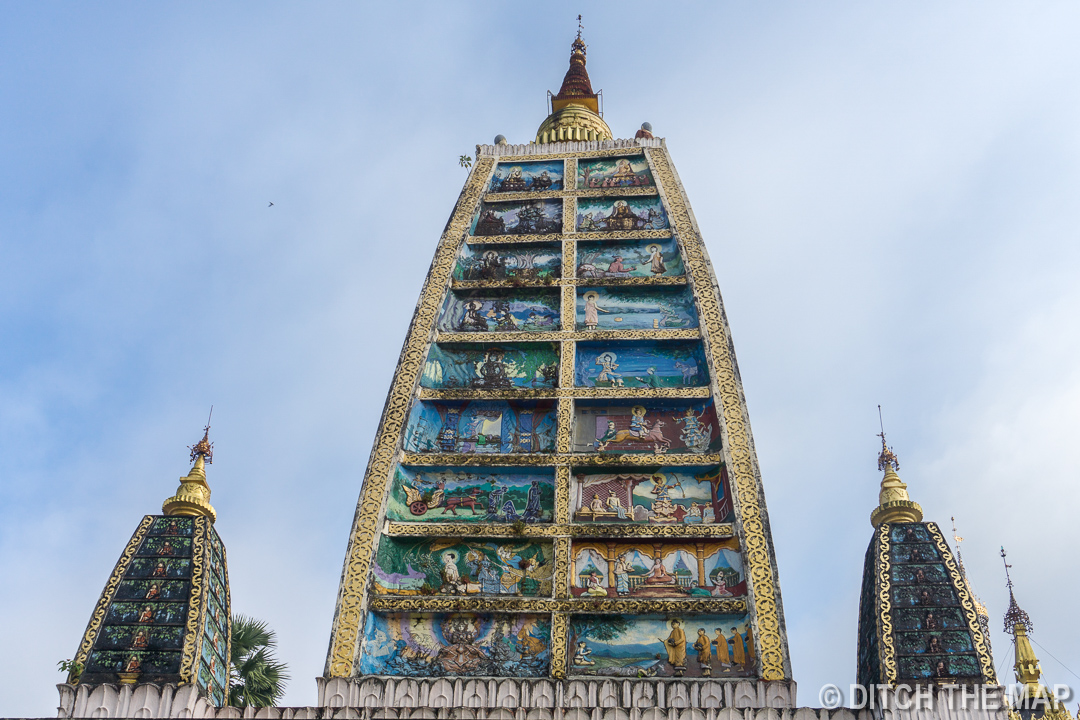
[(192, 498), (204, 447), (894, 505)]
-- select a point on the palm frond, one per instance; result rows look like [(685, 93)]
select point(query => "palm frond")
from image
[(256, 677)]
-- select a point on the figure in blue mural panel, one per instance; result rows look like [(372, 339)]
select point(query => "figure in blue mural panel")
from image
[(654, 308), (528, 217), (527, 177), (452, 566), (488, 366), (519, 263), (634, 259), (503, 495), (650, 427), (519, 310), (459, 644), (697, 646), (614, 172), (659, 496), (482, 427), (620, 214), (648, 364)]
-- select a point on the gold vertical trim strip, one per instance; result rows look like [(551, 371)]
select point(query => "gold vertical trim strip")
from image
[(886, 635), (743, 465), (570, 174), (348, 619), (986, 662), (189, 658), (562, 568), (568, 308), (228, 612), (562, 495), (560, 627), (564, 425), (569, 215), (105, 600)]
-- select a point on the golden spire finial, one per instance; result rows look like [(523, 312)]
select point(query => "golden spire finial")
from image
[(575, 111), (1027, 668), (193, 496), (894, 505), (980, 609)]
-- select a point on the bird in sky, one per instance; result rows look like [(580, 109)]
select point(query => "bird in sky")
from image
[(270, 205)]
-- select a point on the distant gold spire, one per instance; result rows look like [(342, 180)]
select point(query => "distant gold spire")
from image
[(193, 495), (980, 609), (894, 505), (575, 111)]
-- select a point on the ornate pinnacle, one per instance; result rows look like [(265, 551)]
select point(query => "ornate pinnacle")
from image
[(1014, 615), (887, 457), (193, 496), (204, 447)]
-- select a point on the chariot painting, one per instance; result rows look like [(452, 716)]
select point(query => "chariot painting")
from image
[(527, 217), (636, 308), (490, 366), (646, 427), (463, 567), (697, 646), (657, 496), (481, 427), (641, 364), (620, 214), (637, 569), (536, 264), (494, 311), (456, 645), (477, 494), (656, 258), (527, 177), (630, 171)]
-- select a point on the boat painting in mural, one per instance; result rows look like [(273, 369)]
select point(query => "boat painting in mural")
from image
[(489, 366), (649, 427), (641, 364), (459, 644), (493, 311), (614, 172), (664, 496), (528, 217), (518, 263), (620, 214), (481, 427), (654, 308), (527, 177), (657, 570), (659, 258), (500, 495), (661, 646), (456, 566)]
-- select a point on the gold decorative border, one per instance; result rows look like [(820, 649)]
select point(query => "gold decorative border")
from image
[(743, 464), (546, 530), (986, 662), (348, 619), (194, 627), (886, 636), (570, 392), (560, 628), (451, 603), (513, 239), (590, 282), (228, 611), (93, 628), (569, 215), (613, 152), (562, 568), (562, 495), (582, 460), (624, 235), (569, 234), (631, 281), (580, 192), (687, 334)]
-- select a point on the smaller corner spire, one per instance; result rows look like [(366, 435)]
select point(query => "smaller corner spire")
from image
[(894, 504), (192, 498), (1027, 668)]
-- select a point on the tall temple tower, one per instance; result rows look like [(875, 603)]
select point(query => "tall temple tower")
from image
[(563, 506)]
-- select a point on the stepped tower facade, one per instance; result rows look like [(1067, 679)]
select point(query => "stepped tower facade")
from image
[(563, 505)]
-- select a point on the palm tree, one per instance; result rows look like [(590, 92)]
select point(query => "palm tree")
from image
[(256, 677)]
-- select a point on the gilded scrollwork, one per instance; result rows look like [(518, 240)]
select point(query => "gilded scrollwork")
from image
[(512, 239), (631, 281), (570, 173), (687, 334), (562, 495), (743, 465), (193, 625), (566, 365), (582, 459), (584, 192), (569, 215), (613, 152), (457, 603), (986, 662), (568, 311), (605, 282), (564, 425), (562, 568), (564, 392), (348, 620), (624, 235), (884, 584), (540, 530), (560, 629), (107, 595)]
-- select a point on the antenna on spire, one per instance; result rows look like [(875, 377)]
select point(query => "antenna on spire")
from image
[(887, 456), (204, 447), (1008, 580), (956, 537), (580, 27)]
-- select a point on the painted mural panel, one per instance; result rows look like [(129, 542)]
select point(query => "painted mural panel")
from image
[(614, 172), (527, 217), (453, 566), (527, 177), (493, 311), (659, 496), (519, 263), (658, 646), (660, 258), (489, 366), (611, 214), (152, 665), (487, 494), (657, 570), (641, 364), (482, 427), (652, 308), (172, 526), (648, 427), (460, 644)]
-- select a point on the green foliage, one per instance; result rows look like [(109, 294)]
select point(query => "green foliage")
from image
[(72, 668), (598, 627), (465, 161), (256, 677)]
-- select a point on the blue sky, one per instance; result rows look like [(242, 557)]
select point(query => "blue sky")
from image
[(889, 193)]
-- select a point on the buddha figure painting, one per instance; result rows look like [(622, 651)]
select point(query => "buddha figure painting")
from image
[(532, 217), (620, 214), (664, 496), (697, 646), (650, 427), (536, 264), (490, 366), (660, 258), (518, 311), (614, 172), (453, 566), (473, 495), (527, 177), (657, 570), (641, 364), (654, 308), (456, 645)]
